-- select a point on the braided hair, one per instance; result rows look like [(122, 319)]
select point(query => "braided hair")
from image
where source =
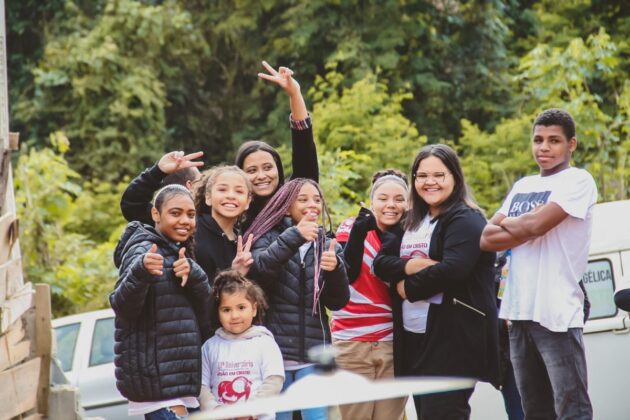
[(230, 282), (164, 195)]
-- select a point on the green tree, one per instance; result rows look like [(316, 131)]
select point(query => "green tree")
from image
[(68, 229)]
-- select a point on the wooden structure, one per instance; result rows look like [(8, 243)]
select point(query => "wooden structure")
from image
[(25, 314)]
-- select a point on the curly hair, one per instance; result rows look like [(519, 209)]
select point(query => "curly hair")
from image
[(203, 186), (230, 282)]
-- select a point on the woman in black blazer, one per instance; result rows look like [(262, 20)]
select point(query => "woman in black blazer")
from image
[(445, 315)]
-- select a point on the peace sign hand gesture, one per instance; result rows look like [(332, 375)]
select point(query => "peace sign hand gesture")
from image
[(243, 260), (283, 78), (174, 161), (329, 258)]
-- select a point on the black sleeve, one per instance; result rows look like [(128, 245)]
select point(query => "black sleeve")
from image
[(459, 258), (270, 256), (200, 294), (135, 203), (622, 299), (304, 154), (335, 289), (133, 284), (388, 266)]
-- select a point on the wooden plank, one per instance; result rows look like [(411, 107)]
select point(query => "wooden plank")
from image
[(8, 235), (64, 403), (18, 388), (14, 141), (15, 306), (43, 338), (12, 349), (10, 278), (35, 416)]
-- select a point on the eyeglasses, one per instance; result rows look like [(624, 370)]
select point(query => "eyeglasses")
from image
[(422, 177)]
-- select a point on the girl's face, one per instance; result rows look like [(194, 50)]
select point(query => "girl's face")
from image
[(308, 203), (176, 220), (236, 313), (262, 172), (433, 182), (389, 202), (229, 196)]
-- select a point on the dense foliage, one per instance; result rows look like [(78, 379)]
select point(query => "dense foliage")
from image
[(99, 89)]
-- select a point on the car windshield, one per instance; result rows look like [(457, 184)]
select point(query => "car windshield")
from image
[(102, 342), (66, 337)]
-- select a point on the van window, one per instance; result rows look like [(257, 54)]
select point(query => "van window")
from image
[(66, 337), (102, 342), (600, 286)]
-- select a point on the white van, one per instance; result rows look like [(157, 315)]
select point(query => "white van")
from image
[(607, 332)]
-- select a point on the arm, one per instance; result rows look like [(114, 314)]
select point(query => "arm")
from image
[(136, 200), (353, 248), (272, 385), (459, 257), (199, 292), (388, 266), (207, 400), (132, 286), (496, 238), (304, 153), (135, 203), (335, 292), (534, 224), (271, 256)]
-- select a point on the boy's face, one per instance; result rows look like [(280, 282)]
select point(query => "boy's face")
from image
[(551, 149)]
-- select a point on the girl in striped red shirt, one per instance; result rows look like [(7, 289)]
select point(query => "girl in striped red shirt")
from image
[(362, 331)]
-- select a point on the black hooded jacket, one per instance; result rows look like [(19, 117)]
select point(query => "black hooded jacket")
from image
[(160, 325)]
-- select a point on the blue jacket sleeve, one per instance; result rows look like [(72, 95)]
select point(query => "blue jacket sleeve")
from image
[(133, 284), (270, 256)]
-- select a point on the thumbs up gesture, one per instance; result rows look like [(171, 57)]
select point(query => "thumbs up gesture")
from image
[(181, 267), (308, 227), (329, 258), (153, 262)]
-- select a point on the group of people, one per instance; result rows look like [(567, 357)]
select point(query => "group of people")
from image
[(228, 277)]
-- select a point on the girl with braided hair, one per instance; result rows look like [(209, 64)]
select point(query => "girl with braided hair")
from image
[(242, 361), (302, 273)]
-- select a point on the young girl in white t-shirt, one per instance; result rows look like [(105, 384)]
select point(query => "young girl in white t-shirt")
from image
[(241, 361)]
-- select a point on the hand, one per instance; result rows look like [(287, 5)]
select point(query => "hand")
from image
[(153, 262), (243, 260), (174, 161), (329, 258), (365, 220), (415, 265), (282, 77), (308, 227), (400, 288), (181, 267)]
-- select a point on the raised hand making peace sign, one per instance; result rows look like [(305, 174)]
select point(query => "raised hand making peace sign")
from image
[(283, 77), (243, 260), (174, 161)]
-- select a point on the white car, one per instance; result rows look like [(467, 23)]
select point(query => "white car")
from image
[(85, 351), (606, 333)]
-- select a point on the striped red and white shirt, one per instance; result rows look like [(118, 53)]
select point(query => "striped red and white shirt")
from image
[(368, 314)]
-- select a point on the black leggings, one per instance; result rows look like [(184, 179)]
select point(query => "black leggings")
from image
[(451, 405)]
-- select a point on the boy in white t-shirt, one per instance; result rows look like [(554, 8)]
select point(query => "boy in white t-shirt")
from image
[(546, 222)]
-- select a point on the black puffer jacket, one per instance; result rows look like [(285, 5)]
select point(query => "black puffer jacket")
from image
[(289, 286), (160, 326)]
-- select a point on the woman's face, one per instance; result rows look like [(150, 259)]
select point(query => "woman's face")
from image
[(389, 202), (434, 183), (262, 172), (308, 203)]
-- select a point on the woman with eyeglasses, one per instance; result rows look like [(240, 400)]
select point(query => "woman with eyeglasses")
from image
[(445, 315)]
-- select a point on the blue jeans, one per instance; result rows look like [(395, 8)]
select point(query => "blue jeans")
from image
[(162, 414), (550, 371), (291, 376)]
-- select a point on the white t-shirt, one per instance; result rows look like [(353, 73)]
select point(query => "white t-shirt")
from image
[(544, 273), (415, 244), (141, 408), (234, 368)]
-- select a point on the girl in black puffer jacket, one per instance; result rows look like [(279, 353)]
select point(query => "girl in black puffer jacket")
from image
[(301, 271), (162, 303)]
